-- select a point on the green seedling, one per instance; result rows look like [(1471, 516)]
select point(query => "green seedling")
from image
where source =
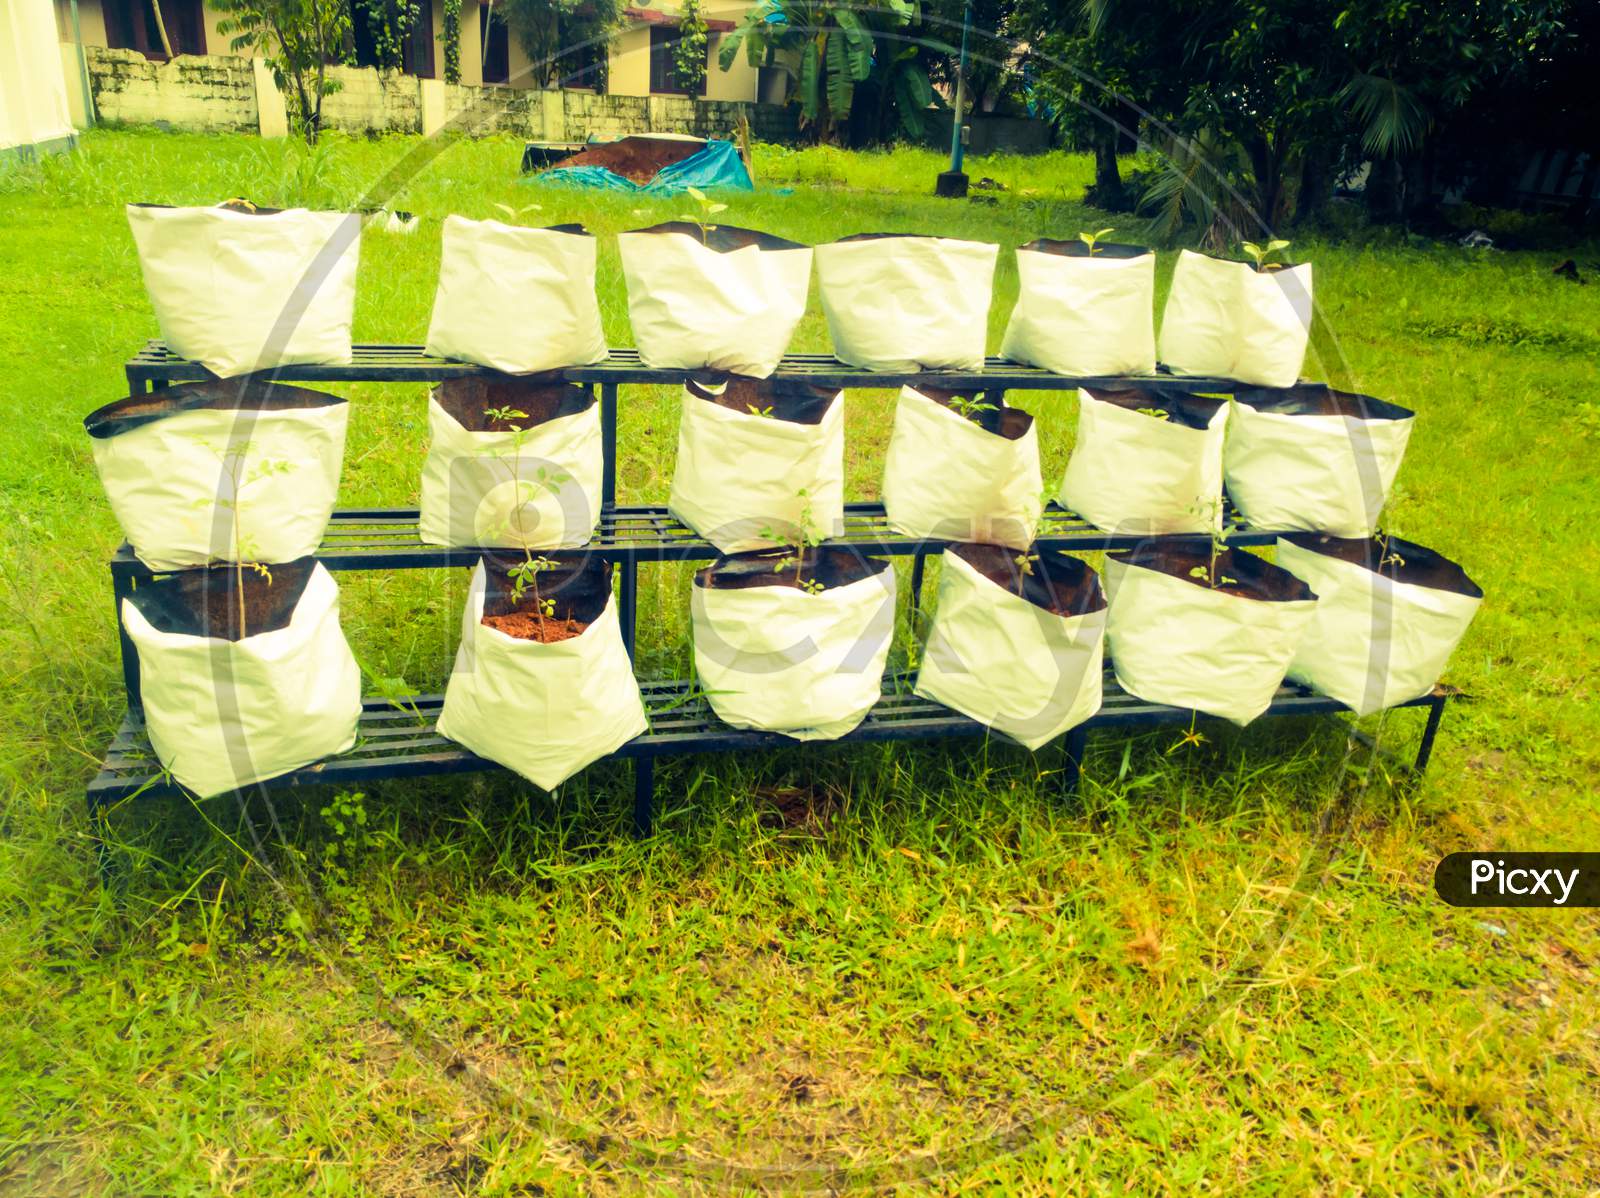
[(232, 459), (1025, 562), (515, 213), (1093, 239), (1264, 255), (764, 413), (525, 574), (1155, 413), (971, 407), (708, 209), (809, 537)]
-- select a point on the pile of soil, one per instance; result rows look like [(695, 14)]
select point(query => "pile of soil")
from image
[(635, 158), (527, 626)]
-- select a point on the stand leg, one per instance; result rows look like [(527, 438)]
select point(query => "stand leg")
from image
[(1072, 772), (608, 443), (644, 794), (121, 588), (628, 612), (917, 564), (1425, 749)]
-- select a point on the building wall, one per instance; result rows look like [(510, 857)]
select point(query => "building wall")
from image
[(33, 91), (217, 93), (629, 56)]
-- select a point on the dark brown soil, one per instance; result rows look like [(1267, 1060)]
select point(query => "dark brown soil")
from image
[(246, 393), (205, 602), (830, 565), (724, 238), (1010, 423), (543, 397), (1058, 582), (577, 583), (1079, 249), (636, 158), (526, 626), (1182, 407), (1252, 577), (796, 402), (1403, 561), (1319, 399)]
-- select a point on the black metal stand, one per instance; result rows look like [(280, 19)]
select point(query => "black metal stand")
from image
[(398, 737)]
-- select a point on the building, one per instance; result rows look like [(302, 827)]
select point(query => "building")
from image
[(34, 111), (638, 60)]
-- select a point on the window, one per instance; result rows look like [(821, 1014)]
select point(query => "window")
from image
[(131, 25), (497, 52), (663, 75), (416, 47)]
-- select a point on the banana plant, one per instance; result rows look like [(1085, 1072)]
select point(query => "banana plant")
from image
[(827, 49)]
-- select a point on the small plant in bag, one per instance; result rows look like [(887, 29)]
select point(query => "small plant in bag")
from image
[(515, 214), (232, 459), (970, 407), (1093, 239), (1266, 256), (543, 479), (809, 537), (524, 577), (708, 209)]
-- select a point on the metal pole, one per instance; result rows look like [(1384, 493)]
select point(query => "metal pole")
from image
[(957, 150)]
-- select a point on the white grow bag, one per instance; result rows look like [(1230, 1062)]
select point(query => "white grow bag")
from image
[(242, 291), (516, 300), (724, 298), (223, 714), (479, 488), (905, 302), (1377, 639), (221, 471), (1135, 473), (1008, 661), (1229, 320), (543, 710), (1175, 640), (774, 658), (1314, 459), (947, 478), (740, 476), (1081, 315)]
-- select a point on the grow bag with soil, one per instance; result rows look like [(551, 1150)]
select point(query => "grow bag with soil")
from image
[(545, 708), (952, 477), (1019, 652), (1175, 639), (906, 302), (719, 298), (486, 483), (1389, 614), (224, 710), (1230, 320), (1313, 459), (776, 657), (747, 481), (1083, 315), (516, 300), (240, 290), (1146, 461), (220, 471)]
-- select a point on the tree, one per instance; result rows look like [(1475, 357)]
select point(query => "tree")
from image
[(689, 51), (298, 40), (829, 48), (563, 39)]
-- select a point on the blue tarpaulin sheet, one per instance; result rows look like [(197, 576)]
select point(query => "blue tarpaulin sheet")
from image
[(718, 165)]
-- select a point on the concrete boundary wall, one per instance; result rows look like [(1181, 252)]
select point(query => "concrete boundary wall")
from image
[(224, 94)]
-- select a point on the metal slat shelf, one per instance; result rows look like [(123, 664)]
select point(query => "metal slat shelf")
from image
[(399, 738)]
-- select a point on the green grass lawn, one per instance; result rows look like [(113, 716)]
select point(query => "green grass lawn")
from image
[(1222, 968)]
